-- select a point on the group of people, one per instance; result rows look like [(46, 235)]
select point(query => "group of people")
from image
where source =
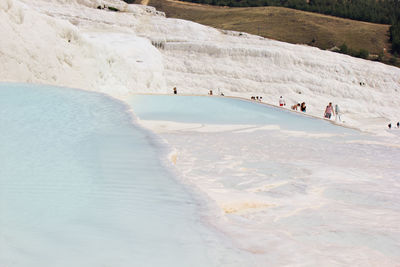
[(329, 110), (390, 125), (297, 106), (301, 106), (258, 98)]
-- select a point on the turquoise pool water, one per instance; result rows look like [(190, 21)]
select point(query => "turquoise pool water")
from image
[(82, 185), (224, 110)]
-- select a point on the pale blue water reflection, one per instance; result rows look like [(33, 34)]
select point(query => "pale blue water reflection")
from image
[(80, 185), (225, 110)]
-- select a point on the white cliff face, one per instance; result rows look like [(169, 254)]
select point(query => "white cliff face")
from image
[(73, 43)]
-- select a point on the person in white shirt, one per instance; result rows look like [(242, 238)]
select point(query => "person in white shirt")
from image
[(337, 113), (282, 102)]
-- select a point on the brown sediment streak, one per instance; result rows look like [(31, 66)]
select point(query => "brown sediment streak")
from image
[(243, 207)]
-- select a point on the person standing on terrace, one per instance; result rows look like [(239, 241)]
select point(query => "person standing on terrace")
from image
[(329, 111), (337, 112), (303, 107), (282, 102)]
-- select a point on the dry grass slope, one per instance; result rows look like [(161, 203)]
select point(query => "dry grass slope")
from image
[(284, 24)]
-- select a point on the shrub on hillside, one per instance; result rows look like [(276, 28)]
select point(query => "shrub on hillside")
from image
[(113, 9), (363, 54), (343, 49)]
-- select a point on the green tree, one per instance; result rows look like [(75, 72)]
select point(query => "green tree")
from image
[(343, 49), (395, 37)]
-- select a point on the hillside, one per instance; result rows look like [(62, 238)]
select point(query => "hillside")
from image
[(284, 24), (80, 172)]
